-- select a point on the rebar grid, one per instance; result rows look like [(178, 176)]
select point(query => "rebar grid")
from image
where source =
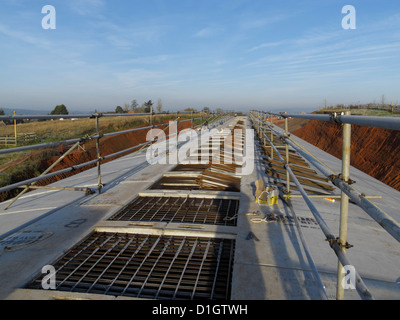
[(180, 209), (147, 266)]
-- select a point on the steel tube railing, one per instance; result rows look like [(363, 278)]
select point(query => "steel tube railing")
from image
[(116, 154), (79, 116), (392, 123), (360, 286), (320, 221), (69, 141), (344, 204), (74, 116), (48, 175), (321, 117), (45, 172), (83, 139), (69, 169), (44, 145), (376, 213), (76, 167)]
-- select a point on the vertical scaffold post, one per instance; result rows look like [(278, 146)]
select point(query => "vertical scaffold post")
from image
[(15, 132), (344, 205), (151, 123), (264, 126), (100, 186), (272, 137), (287, 156)]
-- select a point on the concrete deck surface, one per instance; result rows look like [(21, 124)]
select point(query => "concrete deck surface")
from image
[(269, 264)]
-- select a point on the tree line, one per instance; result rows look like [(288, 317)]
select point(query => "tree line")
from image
[(134, 107)]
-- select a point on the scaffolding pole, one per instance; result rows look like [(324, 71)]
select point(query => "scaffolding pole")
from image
[(344, 205), (287, 157), (99, 184), (392, 123), (360, 285), (382, 218), (43, 173)]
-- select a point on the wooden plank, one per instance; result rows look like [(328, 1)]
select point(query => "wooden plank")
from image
[(311, 183)]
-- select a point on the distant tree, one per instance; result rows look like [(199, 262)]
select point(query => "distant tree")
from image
[(147, 106), (141, 108), (190, 110), (134, 105), (206, 110), (126, 107), (119, 109), (60, 109), (2, 112), (159, 105), (219, 111)]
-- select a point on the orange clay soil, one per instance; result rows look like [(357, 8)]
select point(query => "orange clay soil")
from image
[(88, 152), (374, 151), (108, 145)]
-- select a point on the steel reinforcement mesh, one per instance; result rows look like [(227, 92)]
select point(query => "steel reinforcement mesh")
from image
[(147, 266), (177, 209)]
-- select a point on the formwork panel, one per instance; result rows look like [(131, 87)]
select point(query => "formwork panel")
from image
[(146, 266)]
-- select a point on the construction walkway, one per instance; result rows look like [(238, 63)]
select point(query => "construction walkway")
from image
[(191, 231)]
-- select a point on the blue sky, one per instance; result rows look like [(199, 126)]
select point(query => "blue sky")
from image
[(234, 54)]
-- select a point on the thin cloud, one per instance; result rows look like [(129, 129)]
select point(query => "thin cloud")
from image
[(87, 7), (24, 37), (148, 59), (254, 23), (259, 23), (128, 35), (207, 32), (140, 77), (267, 45)]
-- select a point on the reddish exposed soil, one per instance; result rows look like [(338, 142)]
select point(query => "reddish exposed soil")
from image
[(374, 151), (108, 145)]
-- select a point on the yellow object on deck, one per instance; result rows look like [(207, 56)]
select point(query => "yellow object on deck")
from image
[(268, 197)]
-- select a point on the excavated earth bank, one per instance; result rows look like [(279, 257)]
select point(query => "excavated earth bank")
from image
[(88, 152), (374, 151)]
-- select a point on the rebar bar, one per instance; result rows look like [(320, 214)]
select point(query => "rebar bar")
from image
[(146, 266)]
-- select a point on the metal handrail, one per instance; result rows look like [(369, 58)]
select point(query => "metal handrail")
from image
[(82, 139), (391, 123), (384, 219), (389, 224), (82, 115), (360, 286), (343, 183), (88, 163)]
